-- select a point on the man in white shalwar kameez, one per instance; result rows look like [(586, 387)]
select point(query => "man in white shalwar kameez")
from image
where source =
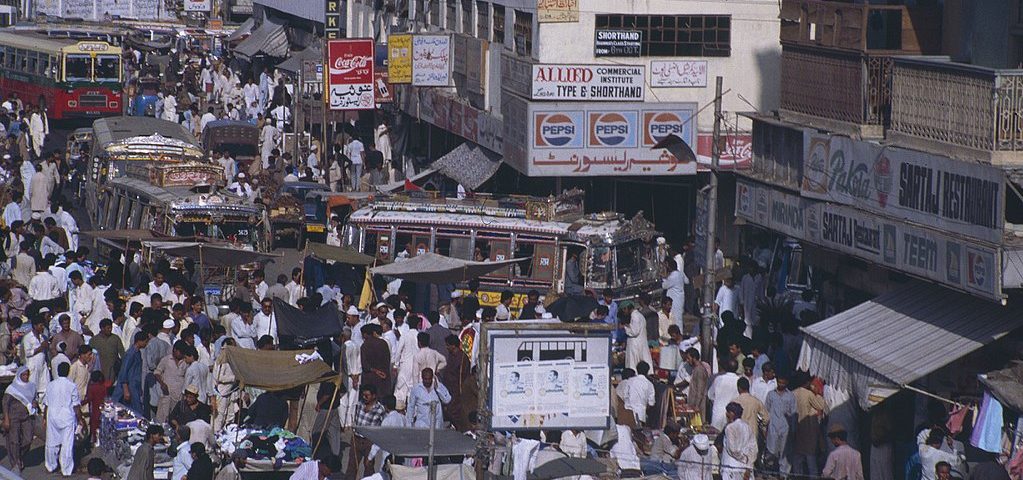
[(740, 446), (62, 416), (34, 346), (403, 359), (268, 137), (636, 348), (723, 390), (699, 460), (674, 287), (38, 129), (170, 108)]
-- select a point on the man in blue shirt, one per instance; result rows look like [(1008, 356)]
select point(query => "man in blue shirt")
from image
[(423, 395)]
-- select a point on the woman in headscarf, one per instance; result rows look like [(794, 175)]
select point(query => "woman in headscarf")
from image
[(19, 407)]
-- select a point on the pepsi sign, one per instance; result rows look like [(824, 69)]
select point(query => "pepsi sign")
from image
[(558, 129), (613, 129), (660, 124)]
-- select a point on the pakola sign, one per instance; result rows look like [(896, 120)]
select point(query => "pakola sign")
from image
[(588, 82), (950, 195)]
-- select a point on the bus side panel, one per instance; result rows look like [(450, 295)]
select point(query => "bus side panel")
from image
[(29, 92)]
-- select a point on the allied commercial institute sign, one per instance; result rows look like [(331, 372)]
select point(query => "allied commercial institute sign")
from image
[(332, 28)]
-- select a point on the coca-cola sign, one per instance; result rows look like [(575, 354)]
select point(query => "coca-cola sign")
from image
[(350, 74)]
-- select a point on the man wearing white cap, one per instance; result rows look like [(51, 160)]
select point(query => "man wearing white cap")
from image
[(699, 460), (454, 321)]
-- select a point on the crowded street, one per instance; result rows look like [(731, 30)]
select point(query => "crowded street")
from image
[(471, 239)]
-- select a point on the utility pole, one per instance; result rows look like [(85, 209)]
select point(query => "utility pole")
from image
[(431, 469), (709, 273)]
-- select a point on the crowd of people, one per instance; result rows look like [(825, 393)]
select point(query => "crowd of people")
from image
[(199, 88)]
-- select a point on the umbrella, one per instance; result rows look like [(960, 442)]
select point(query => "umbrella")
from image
[(567, 467), (572, 307)]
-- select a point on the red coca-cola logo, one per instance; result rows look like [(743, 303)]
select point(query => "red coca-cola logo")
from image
[(345, 65)]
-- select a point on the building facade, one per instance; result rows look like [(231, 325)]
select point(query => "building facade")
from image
[(578, 96)]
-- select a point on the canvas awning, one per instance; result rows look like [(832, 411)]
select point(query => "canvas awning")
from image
[(434, 268), (270, 38), (414, 442), (868, 352), (338, 254), (274, 370), (212, 255), (468, 165), (301, 326)]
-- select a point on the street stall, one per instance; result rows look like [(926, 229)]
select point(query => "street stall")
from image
[(121, 432), (301, 329), (216, 262), (325, 263), (276, 449), (448, 447)]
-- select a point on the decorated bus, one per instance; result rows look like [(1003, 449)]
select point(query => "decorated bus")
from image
[(611, 251), (71, 78)]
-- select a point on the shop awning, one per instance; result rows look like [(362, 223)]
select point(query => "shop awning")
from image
[(875, 348), (270, 38), (468, 165), (211, 255), (274, 370)]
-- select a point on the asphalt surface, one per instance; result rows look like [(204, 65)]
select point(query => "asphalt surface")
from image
[(34, 460)]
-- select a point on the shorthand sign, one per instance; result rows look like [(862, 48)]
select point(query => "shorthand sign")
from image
[(617, 43), (969, 266), (960, 197), (588, 82)]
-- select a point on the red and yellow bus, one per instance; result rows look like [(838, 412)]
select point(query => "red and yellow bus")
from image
[(72, 78)]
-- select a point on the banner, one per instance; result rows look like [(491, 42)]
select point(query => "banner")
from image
[(381, 77), (588, 82), (678, 73), (952, 195), (557, 11), (350, 74), (923, 252), (600, 139), (431, 60), (399, 58)]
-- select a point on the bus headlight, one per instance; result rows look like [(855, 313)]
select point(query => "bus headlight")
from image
[(72, 103)]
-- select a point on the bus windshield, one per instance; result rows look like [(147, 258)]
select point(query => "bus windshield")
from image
[(635, 262), (78, 68), (108, 68)]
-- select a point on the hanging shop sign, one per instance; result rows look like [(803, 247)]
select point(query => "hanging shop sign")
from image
[(617, 43), (399, 58), (350, 74), (332, 19), (678, 73), (557, 11), (431, 60)]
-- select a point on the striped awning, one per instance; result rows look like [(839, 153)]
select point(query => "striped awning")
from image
[(878, 347), (270, 38)]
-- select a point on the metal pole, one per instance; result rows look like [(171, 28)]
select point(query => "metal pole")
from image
[(709, 274), (295, 105), (431, 469)]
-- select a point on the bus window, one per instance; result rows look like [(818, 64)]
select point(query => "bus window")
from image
[(78, 68), (108, 68), (33, 63), (460, 248), (634, 261), (12, 56), (599, 274), (523, 269), (442, 246)]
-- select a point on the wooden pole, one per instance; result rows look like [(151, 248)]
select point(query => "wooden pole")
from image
[(333, 399)]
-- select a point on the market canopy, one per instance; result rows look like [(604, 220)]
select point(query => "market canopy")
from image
[(414, 442), (302, 326), (312, 54), (127, 235), (865, 350), (270, 38), (323, 251), (433, 268), (212, 255), (470, 166), (274, 370)]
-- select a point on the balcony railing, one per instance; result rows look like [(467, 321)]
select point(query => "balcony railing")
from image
[(837, 86), (878, 29), (937, 104)]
